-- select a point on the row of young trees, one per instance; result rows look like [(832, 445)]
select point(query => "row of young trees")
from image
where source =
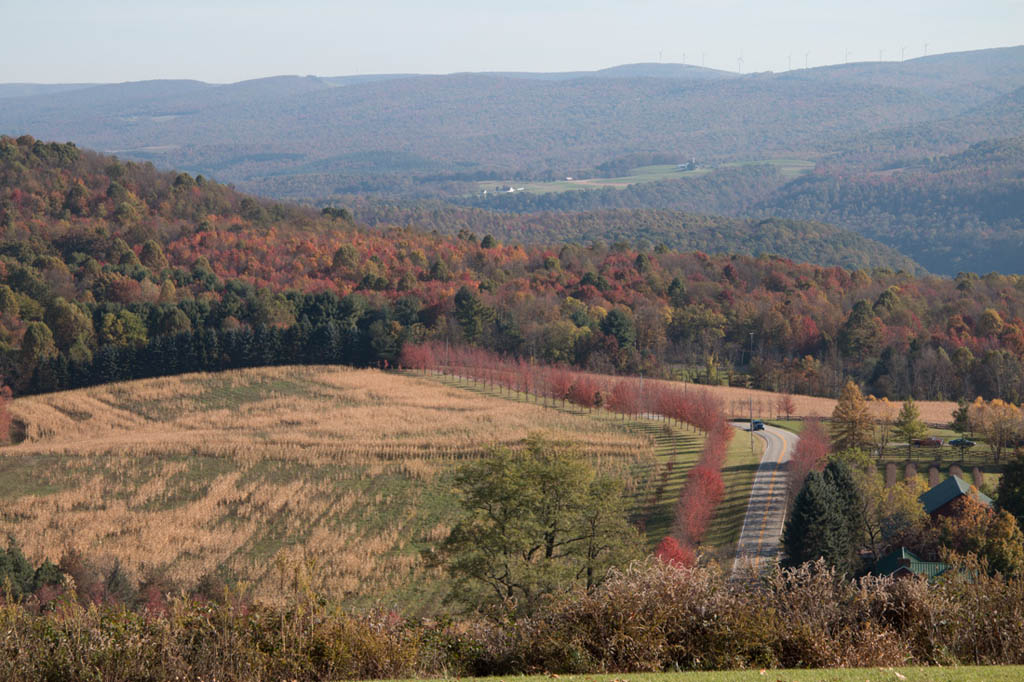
[(626, 396), (860, 423)]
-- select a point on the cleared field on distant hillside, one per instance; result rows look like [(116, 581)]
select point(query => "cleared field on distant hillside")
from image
[(249, 470), (789, 168)]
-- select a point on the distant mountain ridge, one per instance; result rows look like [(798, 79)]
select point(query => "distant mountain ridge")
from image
[(407, 136), (517, 122)]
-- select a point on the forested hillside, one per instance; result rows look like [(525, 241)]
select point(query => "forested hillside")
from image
[(951, 213), (112, 270), (957, 213), (802, 241)]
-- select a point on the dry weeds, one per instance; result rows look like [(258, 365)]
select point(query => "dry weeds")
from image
[(245, 470), (738, 402)]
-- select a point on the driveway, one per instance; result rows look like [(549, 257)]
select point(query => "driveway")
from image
[(760, 544)]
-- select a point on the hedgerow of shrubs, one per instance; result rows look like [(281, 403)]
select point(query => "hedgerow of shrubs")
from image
[(649, 617)]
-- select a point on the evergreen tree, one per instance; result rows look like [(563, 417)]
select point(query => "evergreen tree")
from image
[(851, 420), (908, 424), (1010, 493), (471, 313), (840, 478), (619, 323), (825, 521), (961, 418), (814, 526), (16, 573)]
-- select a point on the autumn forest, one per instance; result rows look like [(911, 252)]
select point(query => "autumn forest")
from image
[(115, 270)]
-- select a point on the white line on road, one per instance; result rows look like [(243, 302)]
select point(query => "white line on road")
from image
[(758, 547)]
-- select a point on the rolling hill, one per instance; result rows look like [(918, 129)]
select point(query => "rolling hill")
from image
[(958, 212), (239, 473), (528, 123), (113, 270)]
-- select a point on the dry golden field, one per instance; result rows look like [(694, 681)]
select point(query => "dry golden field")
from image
[(251, 470), (738, 402)]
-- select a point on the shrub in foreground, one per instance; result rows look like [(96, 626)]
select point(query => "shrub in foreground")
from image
[(652, 616)]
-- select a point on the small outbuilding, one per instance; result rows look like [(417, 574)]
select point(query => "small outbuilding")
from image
[(903, 563)]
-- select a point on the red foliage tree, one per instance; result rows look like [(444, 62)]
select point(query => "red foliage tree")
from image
[(785, 405), (624, 397), (671, 552), (560, 382), (809, 455), (584, 391), (418, 357)]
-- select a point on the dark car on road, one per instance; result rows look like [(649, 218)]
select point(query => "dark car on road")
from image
[(962, 443), (757, 425)]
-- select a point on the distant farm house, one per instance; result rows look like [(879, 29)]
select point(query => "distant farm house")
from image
[(903, 564), (937, 501)]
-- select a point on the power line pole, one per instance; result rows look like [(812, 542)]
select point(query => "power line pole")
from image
[(751, 429)]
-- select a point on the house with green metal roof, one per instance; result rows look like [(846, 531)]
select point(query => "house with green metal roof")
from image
[(937, 500), (903, 563)]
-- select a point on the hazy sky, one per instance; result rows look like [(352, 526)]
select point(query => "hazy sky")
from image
[(229, 40)]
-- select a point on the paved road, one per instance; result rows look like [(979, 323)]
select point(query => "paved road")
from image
[(760, 540)]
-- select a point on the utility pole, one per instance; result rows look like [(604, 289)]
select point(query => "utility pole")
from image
[(751, 428), (750, 398)]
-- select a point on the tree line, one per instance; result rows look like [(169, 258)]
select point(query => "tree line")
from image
[(107, 257), (626, 396)]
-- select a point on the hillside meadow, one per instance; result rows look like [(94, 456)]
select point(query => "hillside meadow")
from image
[(244, 473), (739, 401)]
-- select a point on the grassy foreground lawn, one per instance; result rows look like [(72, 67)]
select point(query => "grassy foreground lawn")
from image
[(964, 674)]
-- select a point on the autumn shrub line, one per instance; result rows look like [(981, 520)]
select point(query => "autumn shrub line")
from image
[(704, 488), (626, 396), (810, 454), (649, 617)]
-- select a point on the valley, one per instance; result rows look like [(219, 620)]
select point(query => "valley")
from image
[(486, 359)]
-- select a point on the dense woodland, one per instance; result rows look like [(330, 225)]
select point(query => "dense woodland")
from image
[(114, 270), (956, 213), (802, 241), (951, 213)]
